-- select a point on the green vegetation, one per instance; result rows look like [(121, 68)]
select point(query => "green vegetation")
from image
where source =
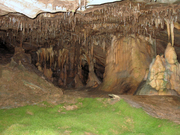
[(86, 117)]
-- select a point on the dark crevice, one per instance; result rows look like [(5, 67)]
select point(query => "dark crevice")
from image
[(85, 73), (5, 52)]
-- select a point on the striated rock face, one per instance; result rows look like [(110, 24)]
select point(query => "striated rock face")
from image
[(127, 62), (164, 74)]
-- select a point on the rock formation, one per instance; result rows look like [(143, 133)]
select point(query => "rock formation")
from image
[(164, 75), (109, 45), (22, 84), (127, 62)]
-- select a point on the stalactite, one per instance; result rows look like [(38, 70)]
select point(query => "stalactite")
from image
[(41, 57), (162, 24), (47, 54), (65, 74), (59, 59), (172, 33), (104, 45), (55, 65), (44, 54), (168, 29), (38, 52), (52, 58), (156, 23)]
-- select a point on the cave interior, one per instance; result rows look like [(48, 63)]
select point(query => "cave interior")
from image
[(97, 48)]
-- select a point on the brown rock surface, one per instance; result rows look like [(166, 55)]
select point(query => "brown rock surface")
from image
[(21, 86), (127, 61), (164, 107), (78, 83)]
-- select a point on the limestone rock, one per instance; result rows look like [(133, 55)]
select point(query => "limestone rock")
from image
[(20, 55), (145, 89), (48, 73), (164, 74), (170, 54), (157, 74), (127, 62), (78, 82)]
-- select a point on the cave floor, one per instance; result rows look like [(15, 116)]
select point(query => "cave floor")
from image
[(30, 91), (163, 107)]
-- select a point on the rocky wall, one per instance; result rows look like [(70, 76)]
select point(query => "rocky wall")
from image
[(127, 63), (74, 49)]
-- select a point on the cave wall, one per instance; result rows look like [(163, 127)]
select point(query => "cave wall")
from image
[(110, 43), (127, 63)]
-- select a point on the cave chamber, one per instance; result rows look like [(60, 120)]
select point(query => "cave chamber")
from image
[(107, 47)]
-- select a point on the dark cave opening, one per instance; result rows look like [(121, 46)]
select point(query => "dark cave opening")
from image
[(99, 71), (6, 52), (85, 73)]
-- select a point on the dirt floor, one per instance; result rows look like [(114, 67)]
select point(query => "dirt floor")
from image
[(164, 107)]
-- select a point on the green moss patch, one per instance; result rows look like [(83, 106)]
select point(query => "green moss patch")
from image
[(86, 117)]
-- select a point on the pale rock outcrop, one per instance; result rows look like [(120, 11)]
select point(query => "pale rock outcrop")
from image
[(156, 77), (164, 74), (170, 54)]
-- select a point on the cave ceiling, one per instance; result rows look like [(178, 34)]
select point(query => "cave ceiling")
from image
[(74, 27), (124, 17), (31, 8)]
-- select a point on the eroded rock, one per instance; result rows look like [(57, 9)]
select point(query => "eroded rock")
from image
[(164, 74), (127, 61)]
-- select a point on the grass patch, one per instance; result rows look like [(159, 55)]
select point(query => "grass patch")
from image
[(87, 116)]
